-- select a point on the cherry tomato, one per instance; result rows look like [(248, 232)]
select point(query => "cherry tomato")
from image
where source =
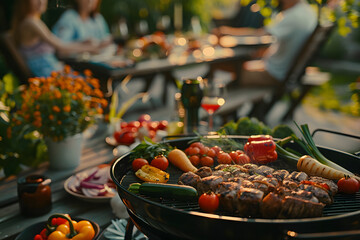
[(243, 159), (209, 202), (224, 158), (144, 118), (197, 144), (348, 185), (138, 163), (217, 149), (125, 137), (204, 150), (211, 153), (160, 162), (135, 124), (163, 125), (193, 150), (234, 156), (207, 161), (153, 125), (195, 160)]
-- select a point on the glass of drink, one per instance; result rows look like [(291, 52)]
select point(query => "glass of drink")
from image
[(213, 98)]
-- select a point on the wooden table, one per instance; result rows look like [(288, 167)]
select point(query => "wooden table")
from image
[(95, 151), (241, 50)]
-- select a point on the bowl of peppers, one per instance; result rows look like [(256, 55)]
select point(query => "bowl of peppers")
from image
[(61, 226)]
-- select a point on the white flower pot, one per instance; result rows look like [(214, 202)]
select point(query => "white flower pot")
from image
[(65, 154)]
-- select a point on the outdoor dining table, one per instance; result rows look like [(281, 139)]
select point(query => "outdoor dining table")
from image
[(95, 152), (229, 50)]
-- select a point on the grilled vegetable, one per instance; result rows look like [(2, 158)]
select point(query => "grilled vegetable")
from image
[(149, 173), (164, 190), (179, 159), (313, 167), (261, 149)]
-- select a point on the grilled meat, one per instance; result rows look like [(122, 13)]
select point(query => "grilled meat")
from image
[(228, 194), (304, 195), (189, 178), (297, 176), (263, 170), (204, 172), (210, 183), (293, 207), (248, 202), (333, 188), (318, 192), (225, 175), (280, 174), (271, 205)]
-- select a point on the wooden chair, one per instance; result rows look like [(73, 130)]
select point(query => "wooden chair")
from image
[(296, 76), (13, 58)]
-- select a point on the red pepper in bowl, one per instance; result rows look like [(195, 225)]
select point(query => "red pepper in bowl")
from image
[(261, 149)]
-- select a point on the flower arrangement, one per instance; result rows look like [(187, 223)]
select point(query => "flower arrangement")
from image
[(61, 105)]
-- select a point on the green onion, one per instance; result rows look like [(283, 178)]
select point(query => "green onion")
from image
[(309, 146)]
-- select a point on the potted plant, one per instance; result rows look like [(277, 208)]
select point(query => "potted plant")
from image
[(60, 108)]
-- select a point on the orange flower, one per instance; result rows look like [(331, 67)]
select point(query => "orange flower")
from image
[(59, 122), (67, 69), (87, 73), (57, 94), (67, 108), (8, 132), (51, 117), (56, 109)]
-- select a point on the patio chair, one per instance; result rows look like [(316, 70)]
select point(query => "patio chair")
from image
[(13, 58), (297, 76)]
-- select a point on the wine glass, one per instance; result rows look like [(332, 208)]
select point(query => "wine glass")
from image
[(213, 99)]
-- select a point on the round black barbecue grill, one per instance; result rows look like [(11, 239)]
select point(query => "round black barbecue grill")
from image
[(160, 218)]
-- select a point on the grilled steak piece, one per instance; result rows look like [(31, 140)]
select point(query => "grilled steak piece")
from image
[(247, 184), (204, 171), (225, 175), (297, 176), (271, 205), (238, 180), (250, 167), (248, 202), (210, 183), (227, 195), (290, 184), (264, 170), (318, 192), (332, 185), (280, 174), (305, 195), (293, 207), (189, 178)]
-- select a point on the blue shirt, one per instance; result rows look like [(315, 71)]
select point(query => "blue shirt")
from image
[(70, 27)]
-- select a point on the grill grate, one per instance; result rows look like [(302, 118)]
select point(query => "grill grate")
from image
[(343, 203)]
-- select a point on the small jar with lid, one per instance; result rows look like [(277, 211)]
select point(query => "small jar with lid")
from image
[(34, 195)]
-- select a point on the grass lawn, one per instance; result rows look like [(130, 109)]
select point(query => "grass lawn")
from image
[(341, 93)]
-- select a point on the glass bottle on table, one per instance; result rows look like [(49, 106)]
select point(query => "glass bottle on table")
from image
[(191, 96)]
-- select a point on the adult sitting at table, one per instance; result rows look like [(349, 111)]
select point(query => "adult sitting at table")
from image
[(83, 23), (291, 27), (36, 42)]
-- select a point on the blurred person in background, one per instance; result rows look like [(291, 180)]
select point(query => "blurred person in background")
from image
[(35, 41), (293, 25), (83, 23)]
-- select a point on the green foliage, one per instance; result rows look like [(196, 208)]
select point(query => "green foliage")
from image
[(344, 13), (19, 146), (252, 126)]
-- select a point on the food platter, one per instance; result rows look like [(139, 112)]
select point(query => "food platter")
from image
[(72, 184)]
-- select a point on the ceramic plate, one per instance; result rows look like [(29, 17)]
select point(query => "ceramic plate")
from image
[(72, 183)]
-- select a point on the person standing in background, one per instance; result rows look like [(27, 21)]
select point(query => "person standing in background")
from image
[(291, 28), (83, 23), (35, 41)]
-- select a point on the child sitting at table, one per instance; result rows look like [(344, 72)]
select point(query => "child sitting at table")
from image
[(35, 41)]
